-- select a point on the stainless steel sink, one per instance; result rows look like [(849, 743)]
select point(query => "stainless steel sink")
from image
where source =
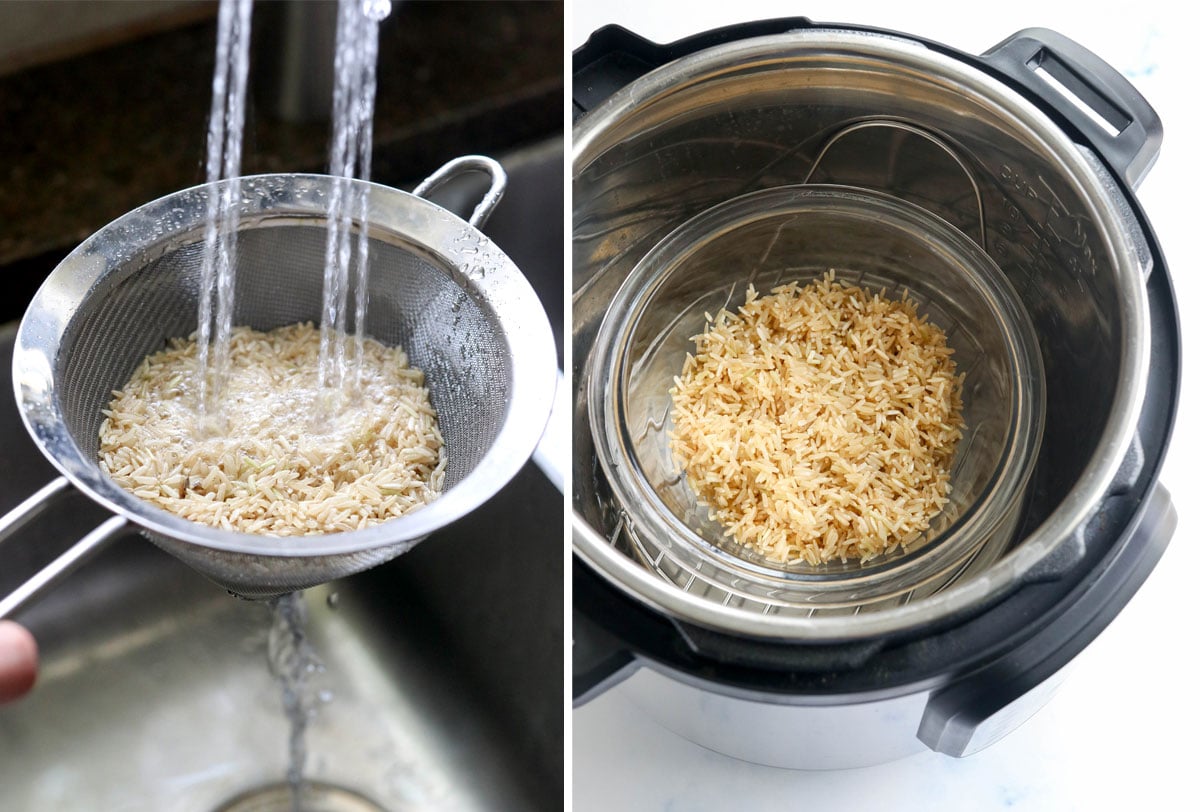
[(444, 668)]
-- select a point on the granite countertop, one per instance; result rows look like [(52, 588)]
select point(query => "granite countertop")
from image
[(1116, 734), (87, 139)]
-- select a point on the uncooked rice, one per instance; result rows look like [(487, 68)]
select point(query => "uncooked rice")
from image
[(818, 423), (277, 464)]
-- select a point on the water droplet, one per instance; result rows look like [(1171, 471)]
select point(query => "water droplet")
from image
[(376, 10)]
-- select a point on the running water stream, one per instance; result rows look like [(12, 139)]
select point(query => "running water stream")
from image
[(355, 57), (223, 161), (291, 658), (356, 53), (293, 663)]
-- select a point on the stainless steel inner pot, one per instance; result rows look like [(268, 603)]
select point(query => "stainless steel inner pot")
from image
[(754, 114)]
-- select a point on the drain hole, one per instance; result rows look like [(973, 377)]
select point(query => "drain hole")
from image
[(315, 798)]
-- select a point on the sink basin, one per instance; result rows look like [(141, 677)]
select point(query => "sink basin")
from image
[(442, 670)]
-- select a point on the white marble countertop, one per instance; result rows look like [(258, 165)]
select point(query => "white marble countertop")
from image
[(1117, 734)]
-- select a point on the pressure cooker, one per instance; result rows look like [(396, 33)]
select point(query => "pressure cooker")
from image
[(1033, 151)]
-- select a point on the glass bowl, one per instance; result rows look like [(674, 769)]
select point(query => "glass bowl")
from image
[(797, 234)]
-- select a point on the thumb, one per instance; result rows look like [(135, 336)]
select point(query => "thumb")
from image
[(18, 660)]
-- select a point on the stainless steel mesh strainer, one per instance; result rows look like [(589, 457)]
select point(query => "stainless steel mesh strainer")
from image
[(438, 287)]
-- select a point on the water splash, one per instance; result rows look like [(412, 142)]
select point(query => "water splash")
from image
[(376, 10)]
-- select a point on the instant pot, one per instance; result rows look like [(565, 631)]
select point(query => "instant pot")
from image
[(1032, 151)]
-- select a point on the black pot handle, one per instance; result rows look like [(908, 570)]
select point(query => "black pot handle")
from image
[(1131, 144), (973, 713), (598, 659)]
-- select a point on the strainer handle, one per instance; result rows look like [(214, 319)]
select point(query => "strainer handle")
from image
[(461, 166), (66, 563)]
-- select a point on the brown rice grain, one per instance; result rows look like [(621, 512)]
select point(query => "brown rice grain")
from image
[(818, 423)]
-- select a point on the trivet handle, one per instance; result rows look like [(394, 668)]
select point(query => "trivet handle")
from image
[(939, 140), (66, 563), (461, 166), (1115, 118)]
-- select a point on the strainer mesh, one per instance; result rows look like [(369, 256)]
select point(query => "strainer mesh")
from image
[(412, 302)]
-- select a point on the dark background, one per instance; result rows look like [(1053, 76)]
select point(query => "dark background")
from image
[(89, 136)]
